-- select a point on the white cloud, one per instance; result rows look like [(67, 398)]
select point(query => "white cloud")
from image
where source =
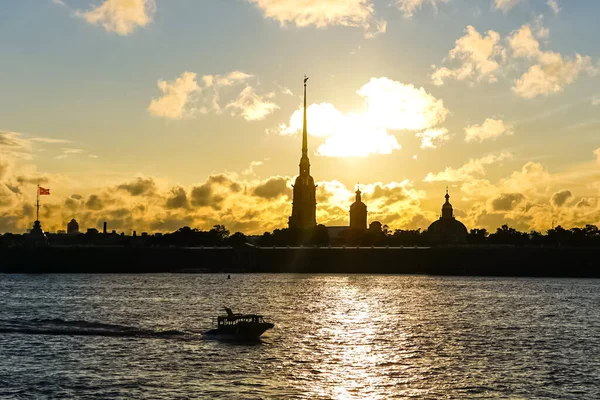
[(481, 58), (120, 16), (472, 169), (505, 5), (550, 73), (389, 106), (596, 101), (490, 129), (68, 151), (478, 58), (49, 140), (251, 105), (185, 97), (431, 138), (59, 3), (176, 97), (250, 169), (321, 13), (597, 154), (553, 4), (408, 7)]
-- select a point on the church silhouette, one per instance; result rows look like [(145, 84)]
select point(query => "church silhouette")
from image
[(304, 204)]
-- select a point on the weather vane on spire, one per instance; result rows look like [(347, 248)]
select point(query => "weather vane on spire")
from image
[(305, 79)]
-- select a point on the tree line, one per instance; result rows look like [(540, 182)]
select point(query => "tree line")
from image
[(376, 235)]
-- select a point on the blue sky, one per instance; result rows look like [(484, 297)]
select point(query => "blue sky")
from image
[(86, 72)]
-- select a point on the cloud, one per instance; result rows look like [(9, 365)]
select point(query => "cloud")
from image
[(176, 97), (94, 202), (139, 186), (251, 106), (120, 16), (177, 198), (597, 154), (550, 73), (49, 140), (477, 57), (59, 3), (507, 201), (408, 7), (431, 138), (187, 96), (388, 106), (596, 101), (472, 169), (68, 151), (561, 198), (490, 129), (273, 188), (250, 169), (322, 13), (553, 4), (505, 5), (480, 58)]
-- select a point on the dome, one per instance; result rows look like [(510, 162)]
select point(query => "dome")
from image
[(448, 227)]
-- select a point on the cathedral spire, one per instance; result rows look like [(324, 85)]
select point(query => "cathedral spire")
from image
[(304, 162), (304, 129)]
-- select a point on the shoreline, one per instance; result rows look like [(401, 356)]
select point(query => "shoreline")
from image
[(568, 262)]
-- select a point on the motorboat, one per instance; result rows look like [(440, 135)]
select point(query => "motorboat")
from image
[(240, 326)]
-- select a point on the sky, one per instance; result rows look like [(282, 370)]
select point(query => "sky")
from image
[(155, 114)]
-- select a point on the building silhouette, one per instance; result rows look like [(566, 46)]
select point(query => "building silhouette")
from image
[(72, 227), (447, 229), (358, 213), (304, 203)]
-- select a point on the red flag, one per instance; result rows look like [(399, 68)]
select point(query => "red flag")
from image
[(44, 191)]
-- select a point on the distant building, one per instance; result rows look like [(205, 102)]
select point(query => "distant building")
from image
[(72, 227), (447, 229), (358, 213), (335, 232), (304, 203)]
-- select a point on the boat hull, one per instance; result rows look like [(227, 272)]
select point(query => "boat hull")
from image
[(241, 331)]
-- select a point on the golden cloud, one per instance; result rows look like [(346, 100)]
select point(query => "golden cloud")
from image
[(120, 16), (321, 13)]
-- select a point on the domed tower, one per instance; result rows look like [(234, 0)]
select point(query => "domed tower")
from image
[(358, 213), (447, 229), (304, 204), (447, 211)]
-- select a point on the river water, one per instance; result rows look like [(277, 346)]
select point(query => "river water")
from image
[(335, 337)]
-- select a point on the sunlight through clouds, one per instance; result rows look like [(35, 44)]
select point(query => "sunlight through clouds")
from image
[(389, 106)]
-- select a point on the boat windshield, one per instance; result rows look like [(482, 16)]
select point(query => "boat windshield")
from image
[(242, 319)]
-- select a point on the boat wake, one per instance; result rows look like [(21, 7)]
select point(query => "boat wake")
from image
[(57, 326)]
